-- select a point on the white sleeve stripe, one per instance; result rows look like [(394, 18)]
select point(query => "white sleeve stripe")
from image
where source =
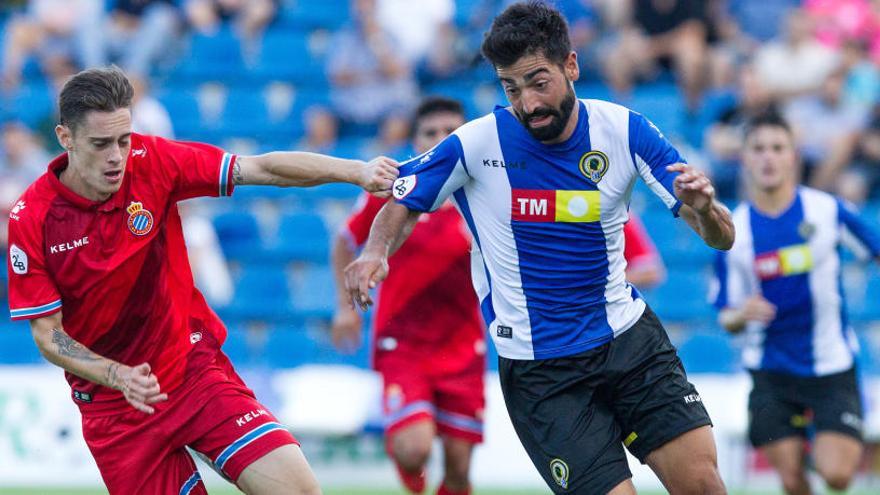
[(652, 182)]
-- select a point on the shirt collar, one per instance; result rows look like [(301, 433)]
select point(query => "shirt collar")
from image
[(115, 201)]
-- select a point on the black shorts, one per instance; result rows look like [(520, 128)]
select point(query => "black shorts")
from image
[(783, 405), (574, 414)]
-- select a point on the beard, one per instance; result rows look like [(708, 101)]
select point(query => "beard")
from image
[(560, 116)]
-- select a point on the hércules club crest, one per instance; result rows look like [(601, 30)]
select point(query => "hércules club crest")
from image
[(140, 221)]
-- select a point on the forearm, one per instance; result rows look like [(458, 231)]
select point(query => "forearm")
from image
[(390, 229), (62, 350), (715, 225), (295, 168), (341, 256)]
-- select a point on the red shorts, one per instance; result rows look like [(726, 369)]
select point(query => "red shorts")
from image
[(217, 416), (414, 391)]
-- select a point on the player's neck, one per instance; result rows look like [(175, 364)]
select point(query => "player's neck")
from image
[(76, 183), (774, 201)]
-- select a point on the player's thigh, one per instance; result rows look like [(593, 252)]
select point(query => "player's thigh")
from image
[(457, 454), (652, 398), (837, 457), (688, 463), (282, 471), (412, 441), (565, 424), (460, 401)]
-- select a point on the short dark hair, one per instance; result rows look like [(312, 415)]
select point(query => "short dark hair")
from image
[(435, 104), (527, 28), (767, 118), (103, 89)]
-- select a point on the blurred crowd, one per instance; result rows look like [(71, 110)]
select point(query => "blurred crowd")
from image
[(816, 61)]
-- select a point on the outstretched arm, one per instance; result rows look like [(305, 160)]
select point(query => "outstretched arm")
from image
[(392, 226), (139, 386), (303, 169), (347, 325), (708, 217)]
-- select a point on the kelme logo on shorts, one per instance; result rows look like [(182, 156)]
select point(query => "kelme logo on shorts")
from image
[(559, 472)]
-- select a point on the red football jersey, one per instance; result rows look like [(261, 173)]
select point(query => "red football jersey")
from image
[(118, 269), (638, 248), (428, 297)]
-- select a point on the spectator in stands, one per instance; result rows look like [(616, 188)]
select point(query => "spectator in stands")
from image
[(138, 33), (795, 64), (321, 131), (824, 125), (723, 138), (56, 33), (149, 115), (249, 16), (661, 31), (759, 20), (860, 180), (22, 159), (369, 77), (842, 21), (423, 31)]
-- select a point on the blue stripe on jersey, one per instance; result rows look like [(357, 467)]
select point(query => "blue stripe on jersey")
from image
[(720, 301), (190, 483), (486, 304), (648, 143), (224, 174), (788, 343), (563, 266), (865, 235)]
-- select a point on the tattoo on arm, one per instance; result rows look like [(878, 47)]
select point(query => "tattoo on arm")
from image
[(111, 374), (68, 347), (236, 174)]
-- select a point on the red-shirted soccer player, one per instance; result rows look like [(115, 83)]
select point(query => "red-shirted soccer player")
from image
[(644, 267), (429, 342), (98, 265)]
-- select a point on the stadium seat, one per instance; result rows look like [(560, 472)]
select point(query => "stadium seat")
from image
[(262, 293), (239, 235), (326, 14), (683, 297), (314, 293), (292, 55), (301, 237), (708, 353), (211, 57), (16, 344)]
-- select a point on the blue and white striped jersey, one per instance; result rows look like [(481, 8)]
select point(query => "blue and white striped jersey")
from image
[(793, 261), (547, 221)]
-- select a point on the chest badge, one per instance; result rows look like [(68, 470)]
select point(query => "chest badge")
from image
[(806, 230), (593, 165), (140, 221)]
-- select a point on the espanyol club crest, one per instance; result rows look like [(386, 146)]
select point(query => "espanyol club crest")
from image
[(593, 165), (140, 221)]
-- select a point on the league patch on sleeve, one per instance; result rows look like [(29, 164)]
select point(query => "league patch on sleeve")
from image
[(403, 186), (18, 259)]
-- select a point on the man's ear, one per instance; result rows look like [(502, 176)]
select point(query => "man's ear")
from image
[(572, 69), (64, 136)]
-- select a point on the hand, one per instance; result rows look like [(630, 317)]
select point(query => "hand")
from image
[(756, 308), (139, 386), (345, 330), (693, 188), (364, 274), (378, 176)]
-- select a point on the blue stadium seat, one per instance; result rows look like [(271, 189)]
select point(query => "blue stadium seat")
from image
[(314, 293), (325, 14), (239, 235), (683, 297), (708, 353), (262, 293), (301, 237), (662, 104), (289, 55), (211, 57), (16, 344)]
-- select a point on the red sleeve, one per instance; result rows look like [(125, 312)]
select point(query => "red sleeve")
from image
[(195, 169), (638, 247), (32, 293), (357, 227)]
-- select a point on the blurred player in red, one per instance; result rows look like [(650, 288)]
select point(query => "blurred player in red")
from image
[(428, 344), (98, 265)]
